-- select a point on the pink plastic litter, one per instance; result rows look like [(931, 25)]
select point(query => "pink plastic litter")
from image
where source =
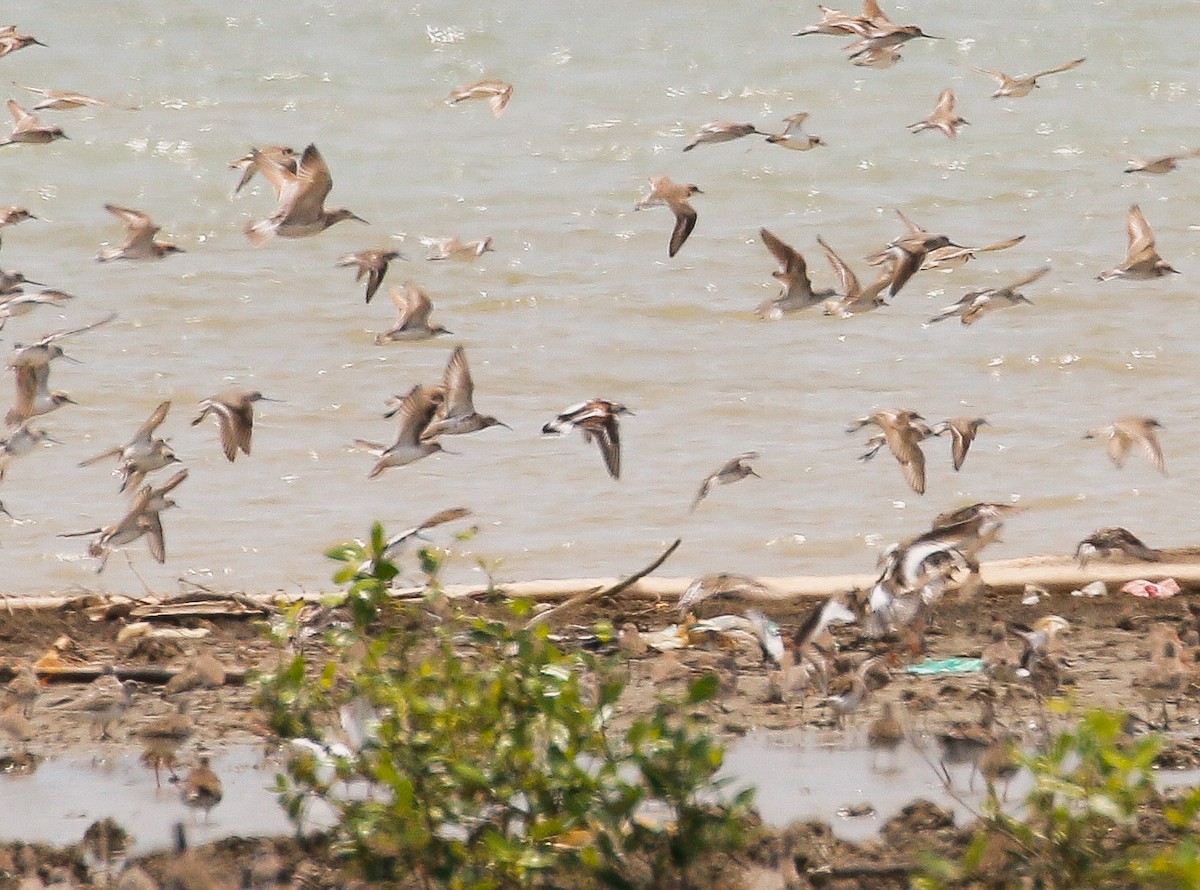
[(1154, 590)]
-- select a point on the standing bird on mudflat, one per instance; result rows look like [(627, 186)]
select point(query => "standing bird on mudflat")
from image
[(300, 211), (674, 195), (234, 410), (597, 420)]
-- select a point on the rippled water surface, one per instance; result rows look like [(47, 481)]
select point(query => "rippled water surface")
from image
[(579, 298)]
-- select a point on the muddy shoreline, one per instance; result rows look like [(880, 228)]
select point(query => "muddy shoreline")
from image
[(1103, 658)]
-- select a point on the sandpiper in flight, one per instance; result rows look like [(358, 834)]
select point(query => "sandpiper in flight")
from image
[(792, 137), (1126, 432), (415, 412), (457, 414), (497, 92), (733, 470), (675, 196), (142, 454), (975, 304), (372, 265), (412, 316), (721, 131), (28, 129), (300, 210), (234, 410), (283, 155), (942, 117), (139, 243), (1015, 87), (597, 420), (1141, 257)]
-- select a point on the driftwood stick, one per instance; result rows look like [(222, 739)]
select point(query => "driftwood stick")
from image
[(1057, 574), (599, 592), (87, 673)]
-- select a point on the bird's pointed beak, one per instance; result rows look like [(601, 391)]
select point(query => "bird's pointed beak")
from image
[(359, 218), (38, 283), (72, 360)]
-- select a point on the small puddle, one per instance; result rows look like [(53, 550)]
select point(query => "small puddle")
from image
[(797, 777), (63, 796)]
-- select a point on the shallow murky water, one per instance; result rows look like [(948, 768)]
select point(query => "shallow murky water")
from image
[(579, 298)]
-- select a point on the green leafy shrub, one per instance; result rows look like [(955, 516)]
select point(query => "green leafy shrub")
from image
[(1093, 819), (488, 756)]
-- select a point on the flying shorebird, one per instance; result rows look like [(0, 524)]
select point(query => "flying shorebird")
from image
[(597, 420), (45, 350), (60, 100), (1114, 539), (301, 194), (836, 23), (412, 316), (962, 433), (497, 92), (975, 304), (11, 41), (11, 215), (733, 470), (457, 414), (796, 291), (142, 454), (1124, 433), (16, 302), (1015, 87), (1163, 164), (853, 298), (952, 257), (234, 410), (903, 435), (942, 117), (791, 137), (675, 196), (27, 128), (139, 241), (878, 32), (34, 396), (721, 131), (283, 155), (1141, 257), (908, 252), (395, 545), (142, 518), (880, 57), (416, 411), (455, 249), (372, 265), (20, 442), (723, 585)]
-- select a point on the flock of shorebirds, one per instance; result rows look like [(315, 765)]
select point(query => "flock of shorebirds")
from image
[(914, 574)]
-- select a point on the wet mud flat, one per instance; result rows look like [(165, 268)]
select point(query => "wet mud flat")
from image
[(873, 818)]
